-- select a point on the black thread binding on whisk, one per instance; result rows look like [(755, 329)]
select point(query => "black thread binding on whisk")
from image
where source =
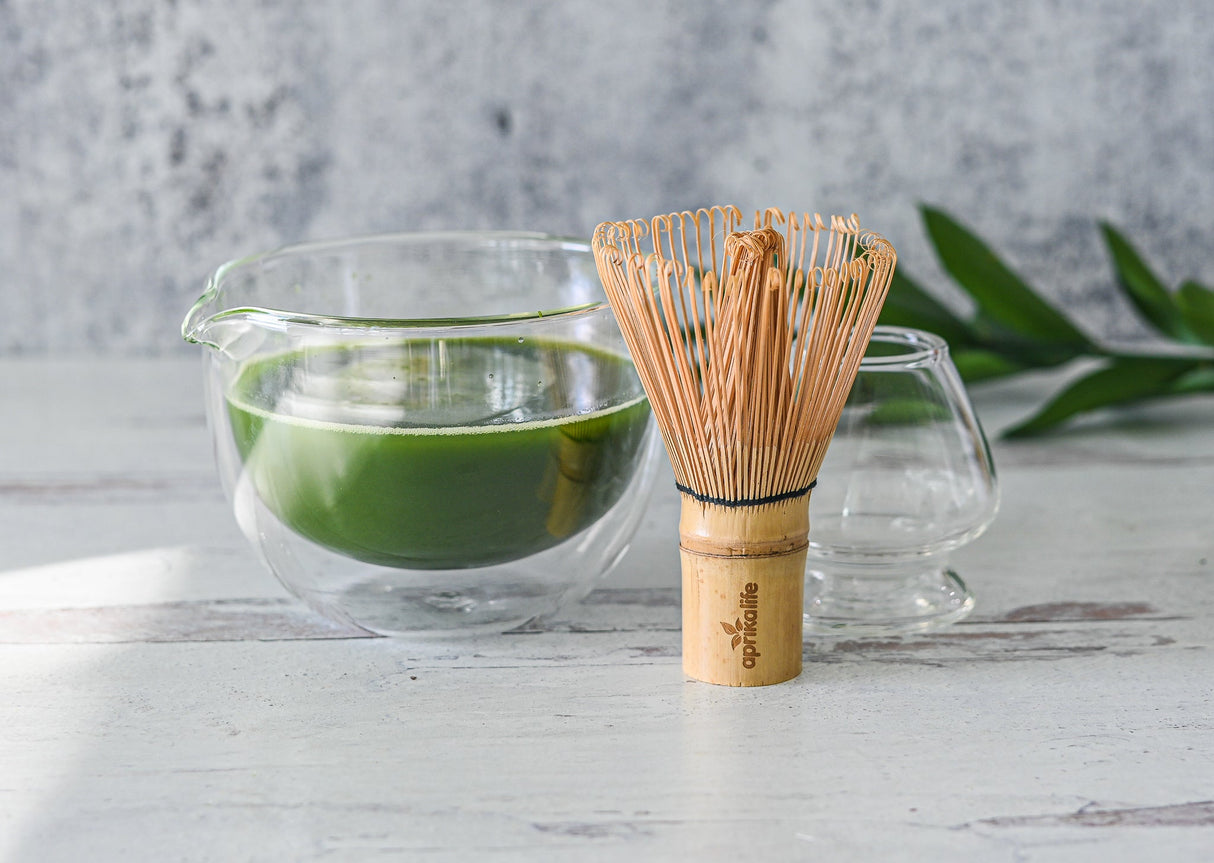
[(746, 501)]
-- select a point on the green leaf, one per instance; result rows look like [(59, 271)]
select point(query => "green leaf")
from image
[(908, 305), (908, 411), (1123, 381), (1199, 380), (1143, 287), (1029, 353), (978, 364), (1196, 304), (1001, 295)]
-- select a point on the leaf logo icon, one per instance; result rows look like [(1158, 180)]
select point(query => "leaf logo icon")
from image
[(734, 629)]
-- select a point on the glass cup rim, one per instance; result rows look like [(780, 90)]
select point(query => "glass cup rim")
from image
[(921, 347), (196, 319)]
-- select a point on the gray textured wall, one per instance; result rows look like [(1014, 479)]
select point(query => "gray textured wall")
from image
[(142, 143)]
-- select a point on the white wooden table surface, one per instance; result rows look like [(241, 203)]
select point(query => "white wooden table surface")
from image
[(162, 698)]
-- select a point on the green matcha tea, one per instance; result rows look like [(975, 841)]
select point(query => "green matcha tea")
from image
[(439, 453)]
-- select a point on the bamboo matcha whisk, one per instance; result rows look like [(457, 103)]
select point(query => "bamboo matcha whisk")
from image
[(747, 343)]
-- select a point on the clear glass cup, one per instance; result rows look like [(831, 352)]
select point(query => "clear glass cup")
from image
[(908, 479), (426, 433)]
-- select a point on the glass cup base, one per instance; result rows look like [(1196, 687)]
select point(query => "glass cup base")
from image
[(393, 607), (869, 603)]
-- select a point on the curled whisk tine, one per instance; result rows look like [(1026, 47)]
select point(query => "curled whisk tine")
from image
[(690, 247), (660, 231), (632, 232), (603, 242), (845, 224), (771, 217)]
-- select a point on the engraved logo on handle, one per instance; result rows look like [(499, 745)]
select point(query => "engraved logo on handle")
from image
[(745, 630)]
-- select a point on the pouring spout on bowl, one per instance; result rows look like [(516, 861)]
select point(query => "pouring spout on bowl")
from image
[(237, 334), (196, 328), (228, 311)]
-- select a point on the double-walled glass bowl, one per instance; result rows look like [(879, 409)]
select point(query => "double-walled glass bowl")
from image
[(426, 432)]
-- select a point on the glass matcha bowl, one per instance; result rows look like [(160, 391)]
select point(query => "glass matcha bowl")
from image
[(426, 433)]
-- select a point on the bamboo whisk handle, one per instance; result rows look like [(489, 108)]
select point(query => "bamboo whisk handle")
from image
[(743, 588)]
